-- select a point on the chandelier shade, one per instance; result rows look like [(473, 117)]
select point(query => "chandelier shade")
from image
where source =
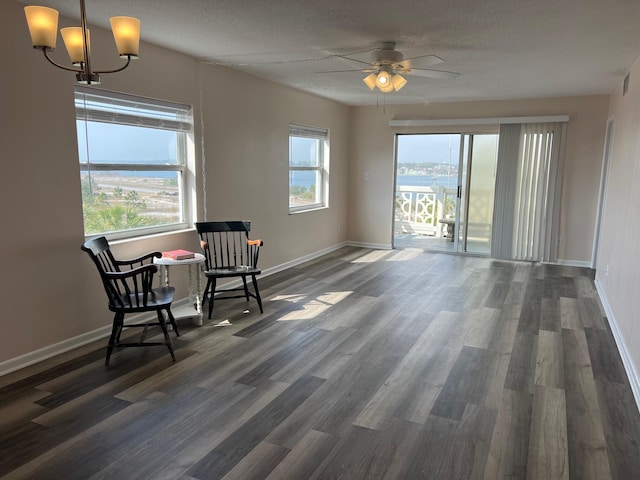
[(74, 42), (43, 26), (126, 33)]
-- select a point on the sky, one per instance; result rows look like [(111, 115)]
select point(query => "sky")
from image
[(428, 148), (121, 143)]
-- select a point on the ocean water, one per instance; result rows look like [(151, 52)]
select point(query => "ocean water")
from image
[(135, 173), (427, 181), (306, 178)]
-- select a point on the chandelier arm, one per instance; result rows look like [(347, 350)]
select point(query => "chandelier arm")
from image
[(117, 69), (53, 62), (85, 40)]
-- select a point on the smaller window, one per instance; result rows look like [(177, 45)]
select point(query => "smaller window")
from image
[(308, 168)]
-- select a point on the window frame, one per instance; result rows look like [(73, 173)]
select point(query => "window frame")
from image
[(171, 116), (322, 185)]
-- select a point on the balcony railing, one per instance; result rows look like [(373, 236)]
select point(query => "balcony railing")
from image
[(419, 209)]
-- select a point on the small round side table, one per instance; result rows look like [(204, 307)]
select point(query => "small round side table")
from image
[(194, 308)]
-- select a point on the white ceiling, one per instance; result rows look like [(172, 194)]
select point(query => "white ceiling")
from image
[(501, 48)]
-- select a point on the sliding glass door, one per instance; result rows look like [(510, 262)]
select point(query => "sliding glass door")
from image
[(444, 192), (477, 194)]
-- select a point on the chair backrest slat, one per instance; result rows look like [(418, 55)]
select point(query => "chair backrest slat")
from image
[(226, 244)]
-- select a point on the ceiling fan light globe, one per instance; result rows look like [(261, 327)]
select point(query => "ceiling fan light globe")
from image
[(398, 81), (383, 80), (386, 88), (370, 81)]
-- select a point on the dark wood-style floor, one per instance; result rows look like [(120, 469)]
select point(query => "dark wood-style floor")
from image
[(366, 364)]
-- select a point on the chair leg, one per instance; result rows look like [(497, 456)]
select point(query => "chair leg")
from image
[(167, 338), (206, 289), (172, 319), (212, 291), (115, 335), (255, 287), (246, 289)]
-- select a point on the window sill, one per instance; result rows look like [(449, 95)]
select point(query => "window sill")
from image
[(120, 239), (310, 209)]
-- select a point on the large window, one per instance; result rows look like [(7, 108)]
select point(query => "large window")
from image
[(132, 162), (308, 168)]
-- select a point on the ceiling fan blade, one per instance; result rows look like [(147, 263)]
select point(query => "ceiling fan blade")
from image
[(424, 60), (343, 71), (354, 60), (425, 72)]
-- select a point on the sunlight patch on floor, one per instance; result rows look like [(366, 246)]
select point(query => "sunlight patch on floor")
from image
[(315, 306), (373, 256), (406, 255), (295, 298), (223, 323)]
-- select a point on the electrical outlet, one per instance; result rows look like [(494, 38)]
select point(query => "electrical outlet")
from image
[(606, 270)]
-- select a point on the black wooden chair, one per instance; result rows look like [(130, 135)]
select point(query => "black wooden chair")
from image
[(129, 288), (229, 253)]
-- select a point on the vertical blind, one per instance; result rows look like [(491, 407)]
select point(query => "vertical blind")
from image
[(528, 180)]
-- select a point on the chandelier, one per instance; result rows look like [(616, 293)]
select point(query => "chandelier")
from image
[(43, 27)]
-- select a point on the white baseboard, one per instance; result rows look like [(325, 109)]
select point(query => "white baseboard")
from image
[(375, 246), (573, 263), (22, 361), (632, 373)]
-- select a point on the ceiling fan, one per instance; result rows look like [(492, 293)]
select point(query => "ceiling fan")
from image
[(388, 65)]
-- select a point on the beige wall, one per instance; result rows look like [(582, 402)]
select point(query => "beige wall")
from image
[(618, 266), (49, 290), (370, 208)]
